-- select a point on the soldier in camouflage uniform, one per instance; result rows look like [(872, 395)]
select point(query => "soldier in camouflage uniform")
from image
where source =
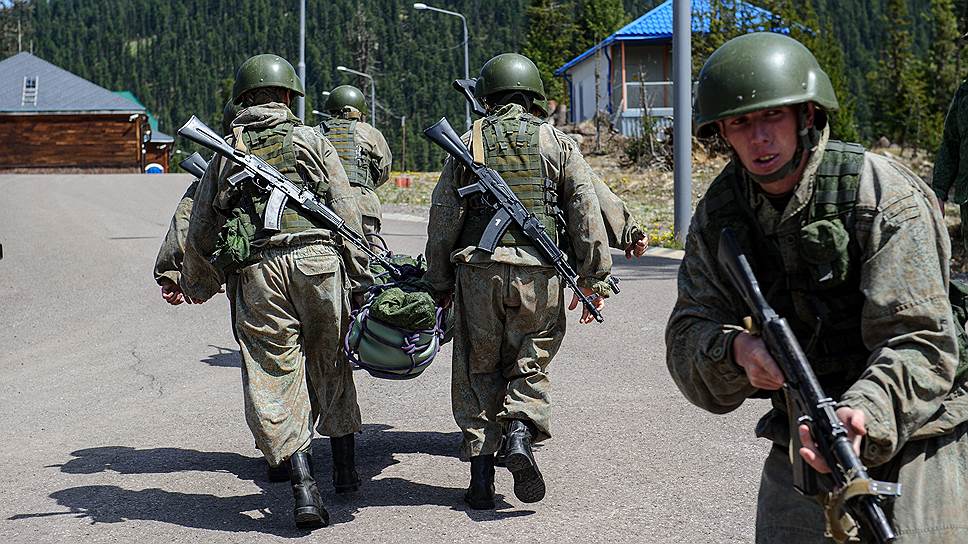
[(292, 300), (624, 231), (168, 263), (362, 149), (851, 249), (951, 164), (510, 314)]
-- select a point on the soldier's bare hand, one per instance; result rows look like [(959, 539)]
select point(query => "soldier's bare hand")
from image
[(597, 301), (172, 293), (750, 353), (637, 248), (855, 422)]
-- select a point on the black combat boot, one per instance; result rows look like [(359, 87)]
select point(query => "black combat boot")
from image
[(309, 511), (480, 494), (529, 485), (345, 478)]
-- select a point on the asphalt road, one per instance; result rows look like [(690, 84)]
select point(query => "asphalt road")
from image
[(122, 416)]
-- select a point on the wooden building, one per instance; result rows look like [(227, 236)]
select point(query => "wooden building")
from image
[(633, 68), (53, 120)]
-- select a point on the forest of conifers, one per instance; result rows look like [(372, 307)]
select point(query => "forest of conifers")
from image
[(179, 56)]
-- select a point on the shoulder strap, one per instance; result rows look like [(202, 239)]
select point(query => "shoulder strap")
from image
[(477, 141)]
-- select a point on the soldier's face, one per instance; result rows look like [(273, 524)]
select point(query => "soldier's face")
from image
[(764, 140)]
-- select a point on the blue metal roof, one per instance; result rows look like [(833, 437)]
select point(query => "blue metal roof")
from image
[(656, 25)]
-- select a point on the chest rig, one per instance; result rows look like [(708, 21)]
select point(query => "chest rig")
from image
[(808, 268), (341, 132), (509, 146), (274, 145)]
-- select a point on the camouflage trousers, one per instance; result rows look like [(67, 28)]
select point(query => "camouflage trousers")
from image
[(291, 310), (932, 508), (510, 323)]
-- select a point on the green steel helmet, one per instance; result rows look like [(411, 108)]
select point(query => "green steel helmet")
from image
[(509, 72), (229, 113), (345, 95), (266, 71), (758, 71)]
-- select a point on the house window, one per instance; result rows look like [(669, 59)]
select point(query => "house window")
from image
[(29, 96)]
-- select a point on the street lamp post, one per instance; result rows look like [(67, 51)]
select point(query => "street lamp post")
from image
[(467, 106), (372, 90), (301, 101)]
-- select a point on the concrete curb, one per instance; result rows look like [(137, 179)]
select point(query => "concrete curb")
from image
[(666, 253)]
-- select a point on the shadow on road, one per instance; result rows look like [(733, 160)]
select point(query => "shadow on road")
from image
[(269, 510), (224, 357)]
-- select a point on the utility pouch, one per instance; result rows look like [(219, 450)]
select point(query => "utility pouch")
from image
[(823, 244), (233, 249)]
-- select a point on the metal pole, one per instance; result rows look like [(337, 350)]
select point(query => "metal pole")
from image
[(682, 108), (403, 129), (301, 100), (467, 105), (372, 102)]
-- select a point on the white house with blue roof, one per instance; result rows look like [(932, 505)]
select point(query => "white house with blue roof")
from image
[(634, 67)]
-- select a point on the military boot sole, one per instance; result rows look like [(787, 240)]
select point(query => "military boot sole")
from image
[(529, 485), (310, 517)]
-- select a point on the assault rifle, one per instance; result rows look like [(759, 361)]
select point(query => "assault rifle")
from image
[(281, 189), (468, 88), (496, 193), (194, 165), (854, 491)]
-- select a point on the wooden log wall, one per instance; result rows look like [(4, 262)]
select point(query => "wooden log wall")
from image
[(72, 141), (159, 153)]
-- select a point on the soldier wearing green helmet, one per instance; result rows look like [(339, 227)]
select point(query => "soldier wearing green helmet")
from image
[(509, 304), (291, 288), (850, 248), (362, 149)]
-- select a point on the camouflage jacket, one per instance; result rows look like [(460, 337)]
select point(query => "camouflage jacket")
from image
[(951, 163), (168, 263), (375, 147), (316, 160), (905, 387), (564, 164)]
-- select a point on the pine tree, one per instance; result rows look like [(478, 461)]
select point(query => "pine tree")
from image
[(897, 84), (596, 20), (548, 42)]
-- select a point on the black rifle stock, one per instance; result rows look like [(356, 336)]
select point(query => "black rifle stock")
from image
[(508, 209), (280, 188), (194, 165), (854, 490), (467, 87)]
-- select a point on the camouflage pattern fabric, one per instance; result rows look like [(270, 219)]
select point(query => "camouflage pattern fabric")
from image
[(511, 321), (951, 162), (374, 146), (622, 228), (291, 306), (168, 263), (511, 295), (292, 309), (907, 388), (930, 510)]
